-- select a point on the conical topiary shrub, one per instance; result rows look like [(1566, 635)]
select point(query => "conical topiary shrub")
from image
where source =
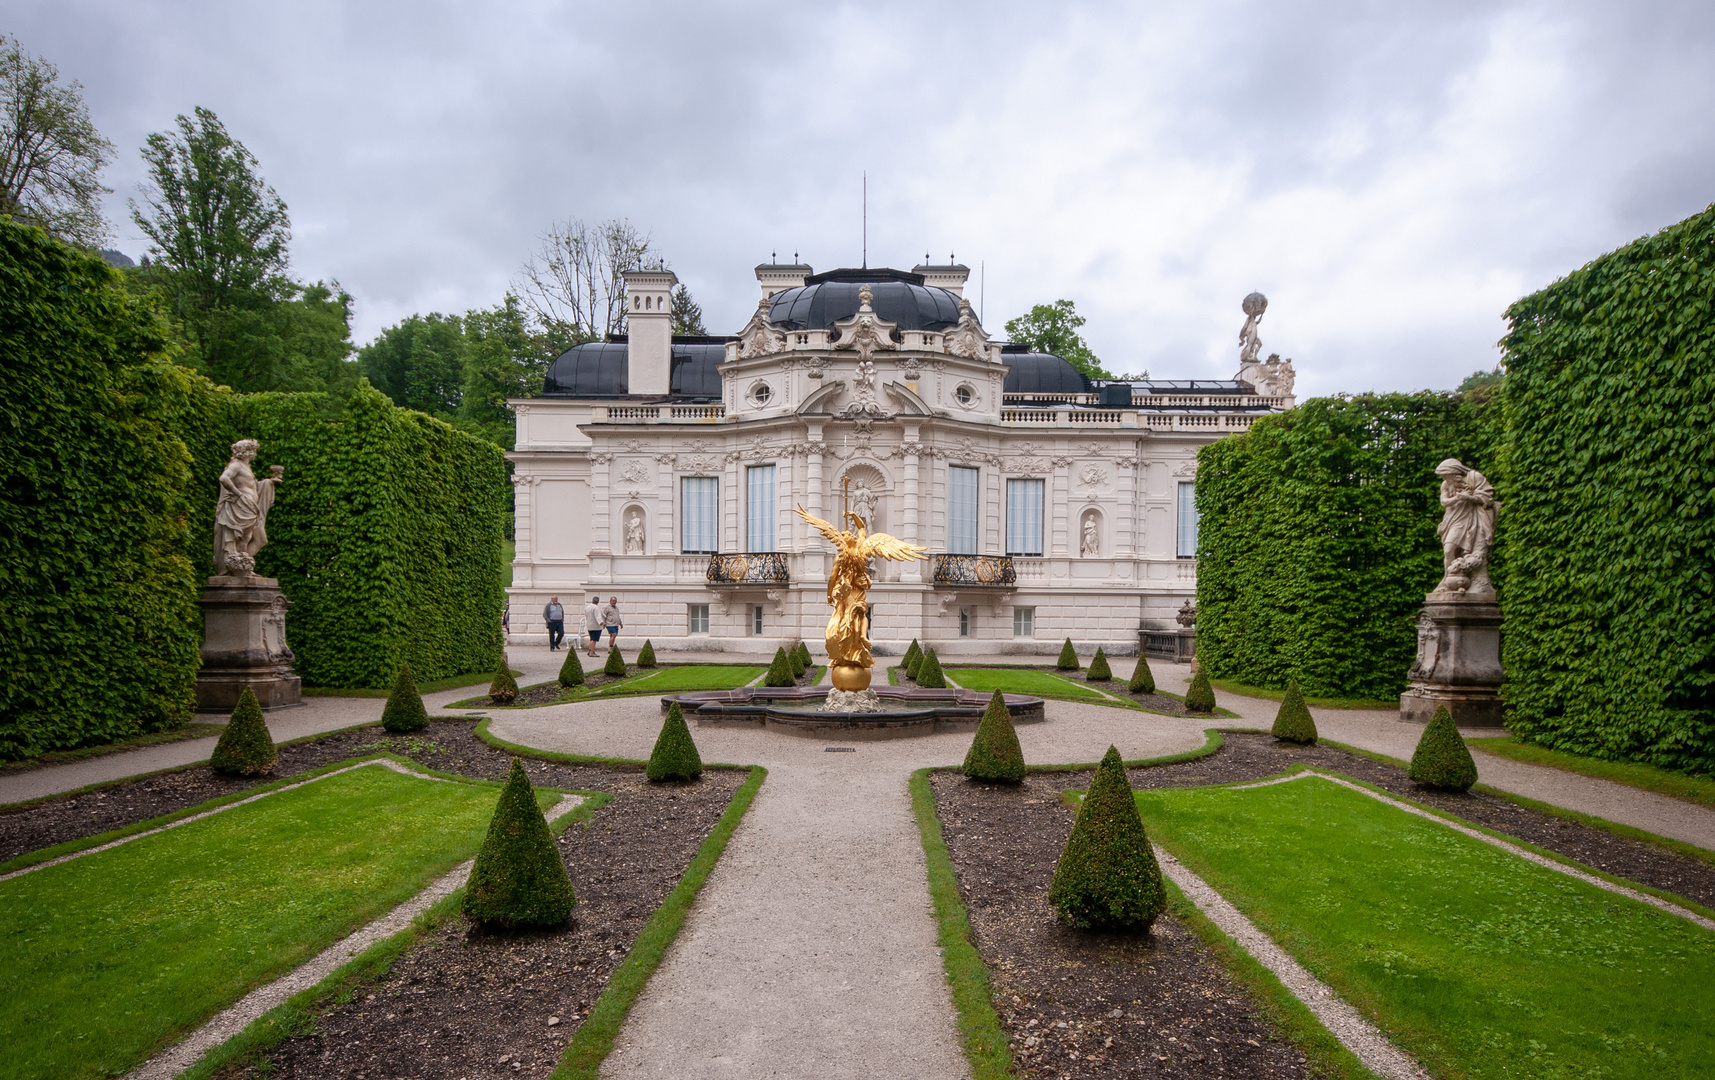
[(1142, 679), (1442, 759), (779, 671), (995, 753), (615, 665), (518, 879), (929, 671), (245, 747), (1099, 671), (913, 653), (804, 655), (1108, 876), (404, 710), (1068, 657), (572, 671), (1201, 696), (646, 655), (675, 756), (1293, 723), (504, 688), (794, 661)]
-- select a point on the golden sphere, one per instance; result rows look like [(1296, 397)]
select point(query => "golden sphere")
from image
[(850, 677)]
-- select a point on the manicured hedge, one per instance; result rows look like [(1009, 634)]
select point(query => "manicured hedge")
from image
[(1317, 539), (99, 628), (385, 534), (1609, 516)]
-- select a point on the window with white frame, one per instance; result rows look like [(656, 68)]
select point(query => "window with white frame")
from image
[(1187, 521), (756, 618), (696, 618), (699, 513), (762, 509), (1023, 621), (961, 510), (964, 622), (1024, 517)]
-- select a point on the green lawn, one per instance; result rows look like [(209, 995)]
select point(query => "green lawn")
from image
[(1678, 785), (676, 680), (1016, 681), (105, 958), (1476, 962)]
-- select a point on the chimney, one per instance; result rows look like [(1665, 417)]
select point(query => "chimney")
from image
[(649, 329), (951, 277), (777, 277)]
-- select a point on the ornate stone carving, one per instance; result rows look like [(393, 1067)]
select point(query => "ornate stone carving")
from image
[(1249, 342), (911, 368), (1186, 469), (910, 449), (601, 458), (634, 531), (1092, 476), (637, 472), (968, 339), (815, 364), (241, 513), (866, 331), (1090, 535), (666, 459), (635, 446), (1187, 616), (700, 463), (759, 337)]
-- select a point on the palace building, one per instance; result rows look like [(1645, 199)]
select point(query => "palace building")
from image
[(664, 470)]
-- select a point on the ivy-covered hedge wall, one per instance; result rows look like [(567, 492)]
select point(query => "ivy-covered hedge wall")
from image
[(386, 536), (1317, 538), (1609, 522), (99, 629)]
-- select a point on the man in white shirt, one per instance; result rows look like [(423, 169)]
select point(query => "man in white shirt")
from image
[(610, 617), (593, 622)]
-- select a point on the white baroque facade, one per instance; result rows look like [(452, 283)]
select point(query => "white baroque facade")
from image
[(665, 471)]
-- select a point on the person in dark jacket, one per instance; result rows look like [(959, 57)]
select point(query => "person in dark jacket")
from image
[(555, 616)]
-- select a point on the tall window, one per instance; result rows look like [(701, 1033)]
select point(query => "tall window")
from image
[(699, 511), (1187, 521), (1024, 517), (762, 508), (756, 618), (961, 510)]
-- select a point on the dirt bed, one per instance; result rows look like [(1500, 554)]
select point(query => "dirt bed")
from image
[(463, 1003), (1163, 1005), (448, 745)]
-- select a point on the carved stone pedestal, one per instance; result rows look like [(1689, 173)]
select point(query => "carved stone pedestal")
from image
[(1458, 662), (244, 644)]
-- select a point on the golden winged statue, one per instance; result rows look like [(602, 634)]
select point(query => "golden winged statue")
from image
[(848, 594)]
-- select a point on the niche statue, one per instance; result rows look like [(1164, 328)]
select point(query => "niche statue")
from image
[(241, 515)]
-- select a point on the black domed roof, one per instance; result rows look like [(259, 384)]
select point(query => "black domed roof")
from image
[(603, 369), (1041, 373), (896, 296)]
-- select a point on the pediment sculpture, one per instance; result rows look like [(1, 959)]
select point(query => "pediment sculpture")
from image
[(866, 331), (968, 339), (759, 337)]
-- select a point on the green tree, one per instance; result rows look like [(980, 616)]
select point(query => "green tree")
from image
[(995, 753), (1293, 723), (1107, 876), (675, 755), (1201, 696), (219, 236), (245, 747), (419, 363), (51, 155), (573, 285), (1442, 760), (404, 710), (687, 314), (1053, 328)]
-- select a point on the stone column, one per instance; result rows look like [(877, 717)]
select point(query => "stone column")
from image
[(1458, 662), (813, 569), (911, 529)]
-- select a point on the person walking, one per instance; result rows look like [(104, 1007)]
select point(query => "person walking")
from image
[(593, 622), (555, 616), (611, 619)]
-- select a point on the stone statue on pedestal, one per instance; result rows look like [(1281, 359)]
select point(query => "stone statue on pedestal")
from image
[(241, 515), (1459, 629), (244, 614)]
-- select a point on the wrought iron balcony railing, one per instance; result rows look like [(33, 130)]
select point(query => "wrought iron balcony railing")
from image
[(973, 570), (749, 568)]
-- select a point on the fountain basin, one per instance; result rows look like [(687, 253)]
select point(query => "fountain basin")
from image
[(905, 710)]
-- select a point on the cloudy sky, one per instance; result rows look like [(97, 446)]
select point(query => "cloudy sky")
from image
[(1390, 175)]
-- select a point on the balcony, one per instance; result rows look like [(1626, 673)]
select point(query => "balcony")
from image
[(748, 568), (968, 571)]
